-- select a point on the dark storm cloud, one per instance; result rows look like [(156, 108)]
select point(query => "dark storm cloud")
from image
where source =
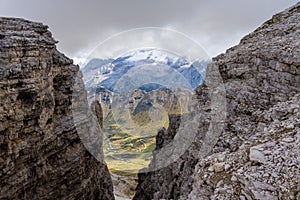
[(80, 25)]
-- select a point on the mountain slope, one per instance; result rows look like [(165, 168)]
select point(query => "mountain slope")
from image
[(108, 72), (257, 154)]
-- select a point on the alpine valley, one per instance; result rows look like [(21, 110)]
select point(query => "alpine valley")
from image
[(137, 93)]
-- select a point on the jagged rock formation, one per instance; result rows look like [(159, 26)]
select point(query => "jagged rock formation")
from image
[(96, 107), (41, 155), (257, 154)]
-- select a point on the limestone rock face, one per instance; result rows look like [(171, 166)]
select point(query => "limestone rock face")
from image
[(41, 155), (257, 154)]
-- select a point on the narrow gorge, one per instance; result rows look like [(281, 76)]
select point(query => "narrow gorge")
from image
[(256, 156)]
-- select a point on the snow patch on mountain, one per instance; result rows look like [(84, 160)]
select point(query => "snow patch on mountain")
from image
[(107, 72)]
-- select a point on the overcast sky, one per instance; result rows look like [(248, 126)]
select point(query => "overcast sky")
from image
[(79, 25)]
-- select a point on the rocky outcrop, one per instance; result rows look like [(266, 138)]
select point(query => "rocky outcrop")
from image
[(257, 154), (42, 156)]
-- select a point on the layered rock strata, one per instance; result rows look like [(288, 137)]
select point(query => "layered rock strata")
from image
[(42, 156)]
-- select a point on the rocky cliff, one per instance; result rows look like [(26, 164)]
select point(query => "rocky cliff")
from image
[(42, 156), (257, 156)]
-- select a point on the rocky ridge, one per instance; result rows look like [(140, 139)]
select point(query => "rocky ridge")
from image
[(257, 154), (42, 156)]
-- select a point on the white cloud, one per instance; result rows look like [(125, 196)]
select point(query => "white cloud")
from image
[(81, 25)]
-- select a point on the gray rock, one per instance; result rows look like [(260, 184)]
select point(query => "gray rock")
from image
[(42, 156), (262, 77), (257, 156), (219, 167)]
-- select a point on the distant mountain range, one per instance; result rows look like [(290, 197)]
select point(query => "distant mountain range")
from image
[(107, 72), (147, 78)]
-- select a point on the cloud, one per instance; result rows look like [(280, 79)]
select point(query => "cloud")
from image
[(81, 25)]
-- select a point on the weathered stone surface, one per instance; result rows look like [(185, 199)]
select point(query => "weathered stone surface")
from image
[(96, 107), (219, 167), (262, 79), (256, 155), (41, 155)]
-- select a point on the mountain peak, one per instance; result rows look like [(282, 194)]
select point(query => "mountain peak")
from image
[(107, 73)]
